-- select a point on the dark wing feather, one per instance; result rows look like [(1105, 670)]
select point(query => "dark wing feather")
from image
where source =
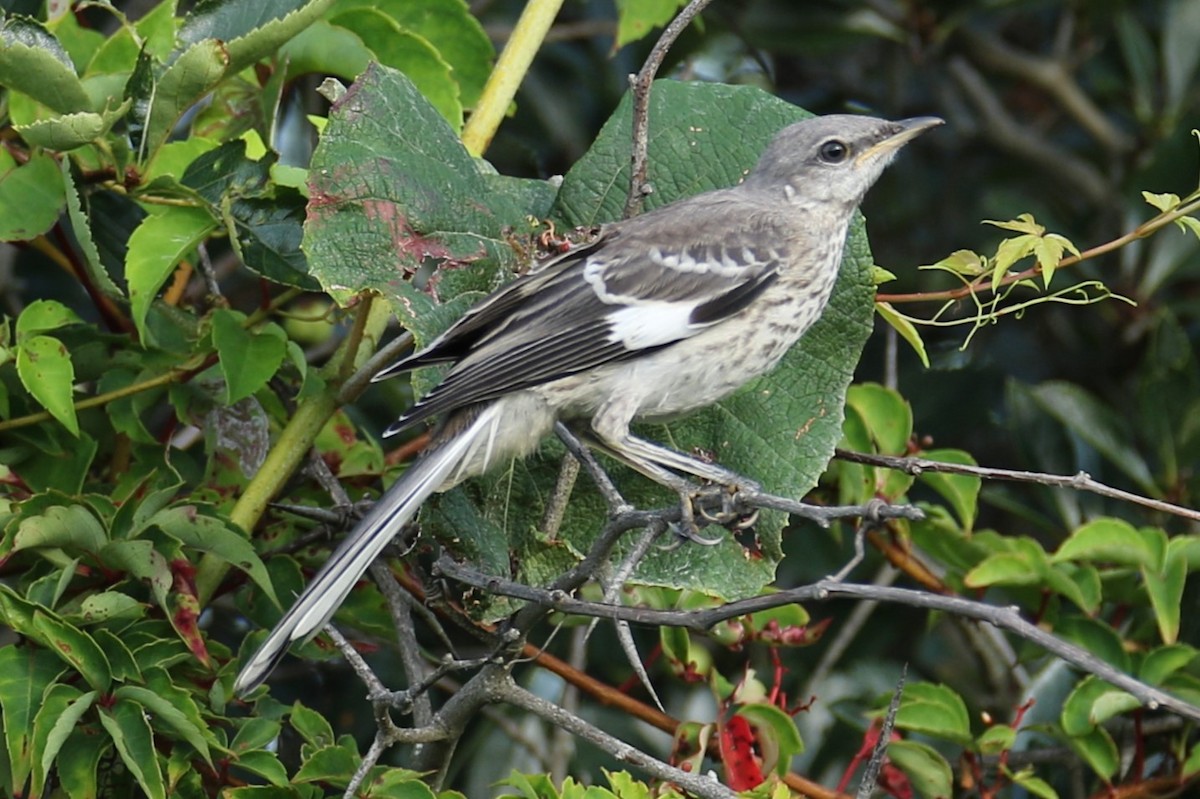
[(569, 318)]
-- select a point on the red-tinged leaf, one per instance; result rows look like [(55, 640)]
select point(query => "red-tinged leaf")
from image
[(743, 766), (185, 614)]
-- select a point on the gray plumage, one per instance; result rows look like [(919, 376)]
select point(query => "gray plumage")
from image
[(660, 315)]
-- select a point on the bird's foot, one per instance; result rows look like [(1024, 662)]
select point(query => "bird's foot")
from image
[(686, 529)]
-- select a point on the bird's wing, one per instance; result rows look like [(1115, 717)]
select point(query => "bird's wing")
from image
[(620, 298)]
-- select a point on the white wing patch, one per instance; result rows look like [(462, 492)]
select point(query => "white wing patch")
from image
[(647, 325)]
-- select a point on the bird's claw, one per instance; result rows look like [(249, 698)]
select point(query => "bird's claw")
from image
[(687, 528)]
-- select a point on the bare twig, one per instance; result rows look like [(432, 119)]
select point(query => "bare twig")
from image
[(1079, 481), (556, 507), (867, 785), (1006, 618), (696, 784), (640, 84), (612, 497)]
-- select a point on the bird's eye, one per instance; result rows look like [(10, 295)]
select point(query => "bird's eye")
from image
[(834, 151)]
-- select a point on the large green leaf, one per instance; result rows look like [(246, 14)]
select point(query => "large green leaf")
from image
[(126, 722), (160, 242), (408, 52), (25, 674), (31, 194), (249, 29), (34, 63), (391, 185)]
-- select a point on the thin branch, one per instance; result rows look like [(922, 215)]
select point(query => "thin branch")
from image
[(879, 754), (1080, 481), (696, 784), (1006, 618), (612, 497), (640, 84)]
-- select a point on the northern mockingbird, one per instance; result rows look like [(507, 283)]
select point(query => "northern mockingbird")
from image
[(659, 315)]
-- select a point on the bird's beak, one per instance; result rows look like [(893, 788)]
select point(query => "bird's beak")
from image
[(906, 131)]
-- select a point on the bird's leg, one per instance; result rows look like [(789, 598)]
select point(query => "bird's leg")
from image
[(625, 448)]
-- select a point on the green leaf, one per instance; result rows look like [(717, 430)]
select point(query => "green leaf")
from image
[(927, 770), (1108, 540), (250, 29), (78, 649), (143, 561), (887, 415), (78, 773), (71, 527), (775, 735), (1164, 661), (453, 31), (311, 726), (408, 52), (166, 99), (961, 262), (71, 131), (208, 534), (934, 710), (636, 18), (1099, 751), (961, 491), (160, 242), (267, 766), (255, 733), (126, 723), (1165, 589), (163, 711), (331, 764), (32, 195), (83, 236), (248, 359), (1034, 785), (1024, 223), (997, 739), (907, 330), (1163, 202), (45, 369), (61, 710), (391, 185), (25, 675), (1004, 568), (34, 63), (42, 316), (1096, 637)]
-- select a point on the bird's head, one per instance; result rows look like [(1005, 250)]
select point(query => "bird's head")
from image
[(832, 159)]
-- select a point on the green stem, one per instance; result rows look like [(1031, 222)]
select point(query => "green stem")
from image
[(293, 444), (511, 68)]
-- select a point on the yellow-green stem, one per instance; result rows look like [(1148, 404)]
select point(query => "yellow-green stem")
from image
[(511, 67), (293, 444)]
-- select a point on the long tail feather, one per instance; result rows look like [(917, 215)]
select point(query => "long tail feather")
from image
[(329, 588)]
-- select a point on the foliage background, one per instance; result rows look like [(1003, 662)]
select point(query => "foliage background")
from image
[(1090, 104)]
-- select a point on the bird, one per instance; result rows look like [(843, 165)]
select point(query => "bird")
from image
[(658, 315)]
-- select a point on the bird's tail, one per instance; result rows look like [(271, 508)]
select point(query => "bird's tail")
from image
[(400, 503)]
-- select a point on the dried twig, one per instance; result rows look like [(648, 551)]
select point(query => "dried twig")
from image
[(1080, 481), (640, 83)]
